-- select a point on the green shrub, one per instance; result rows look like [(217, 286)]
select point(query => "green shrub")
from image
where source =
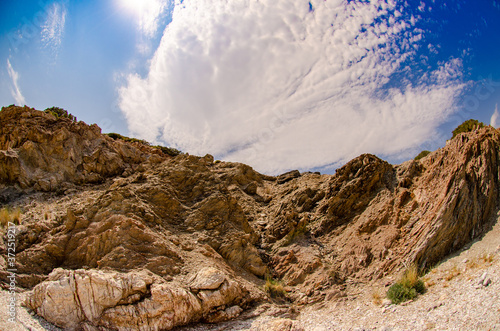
[(408, 287), (422, 155), (467, 126), (398, 293), (60, 113)]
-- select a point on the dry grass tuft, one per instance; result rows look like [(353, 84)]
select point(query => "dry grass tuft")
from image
[(8, 215), (453, 272), (410, 277), (482, 261), (377, 296), (274, 288), (487, 257), (472, 264)]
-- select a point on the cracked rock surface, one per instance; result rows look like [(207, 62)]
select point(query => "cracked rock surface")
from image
[(115, 234)]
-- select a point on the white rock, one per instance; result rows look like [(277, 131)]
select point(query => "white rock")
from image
[(208, 279), (90, 299)]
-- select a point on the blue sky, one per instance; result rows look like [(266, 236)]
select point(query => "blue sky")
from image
[(277, 84)]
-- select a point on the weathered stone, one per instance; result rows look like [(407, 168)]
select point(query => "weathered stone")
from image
[(199, 231), (287, 176), (208, 279), (134, 300)]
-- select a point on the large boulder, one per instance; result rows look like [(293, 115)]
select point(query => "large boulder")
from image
[(136, 300)]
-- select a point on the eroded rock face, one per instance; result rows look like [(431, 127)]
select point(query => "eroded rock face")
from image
[(136, 300), (173, 240), (48, 154), (373, 216)]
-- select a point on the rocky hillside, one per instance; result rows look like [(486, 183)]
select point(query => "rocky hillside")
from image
[(118, 235)]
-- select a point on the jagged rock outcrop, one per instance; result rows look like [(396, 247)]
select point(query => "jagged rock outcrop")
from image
[(202, 235), (47, 153), (375, 216)]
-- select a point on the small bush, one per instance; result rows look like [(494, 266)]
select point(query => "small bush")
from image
[(274, 288), (407, 288), (60, 113), (422, 155), (398, 293), (467, 126)]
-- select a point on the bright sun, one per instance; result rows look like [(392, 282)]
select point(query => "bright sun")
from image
[(134, 6), (144, 12)]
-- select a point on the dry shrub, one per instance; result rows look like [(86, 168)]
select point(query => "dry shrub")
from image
[(8, 215), (274, 288), (377, 296)]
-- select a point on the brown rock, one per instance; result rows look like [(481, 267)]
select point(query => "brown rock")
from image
[(199, 233), (287, 176)]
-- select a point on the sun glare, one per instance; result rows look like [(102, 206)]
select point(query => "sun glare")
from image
[(145, 13), (135, 7)]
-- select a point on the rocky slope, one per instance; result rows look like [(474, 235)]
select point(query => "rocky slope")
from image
[(118, 235)]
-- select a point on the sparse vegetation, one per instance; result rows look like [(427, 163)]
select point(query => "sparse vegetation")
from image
[(487, 257), (274, 288), (60, 113), (481, 261), (9, 215), (296, 233), (408, 287), (422, 154), (117, 136), (165, 150), (453, 272), (467, 126), (168, 150), (377, 296)]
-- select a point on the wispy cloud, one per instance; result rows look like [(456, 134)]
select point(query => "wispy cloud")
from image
[(281, 84), (52, 30), (494, 118), (15, 90)]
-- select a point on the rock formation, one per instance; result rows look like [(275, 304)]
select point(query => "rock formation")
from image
[(118, 235)]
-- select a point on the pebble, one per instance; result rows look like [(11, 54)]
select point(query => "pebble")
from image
[(483, 281)]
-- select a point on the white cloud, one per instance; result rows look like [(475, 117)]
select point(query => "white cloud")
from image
[(15, 91), (277, 86), (52, 29), (494, 118), (147, 13)]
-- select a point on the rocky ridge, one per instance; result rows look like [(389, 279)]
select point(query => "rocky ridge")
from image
[(134, 238)]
